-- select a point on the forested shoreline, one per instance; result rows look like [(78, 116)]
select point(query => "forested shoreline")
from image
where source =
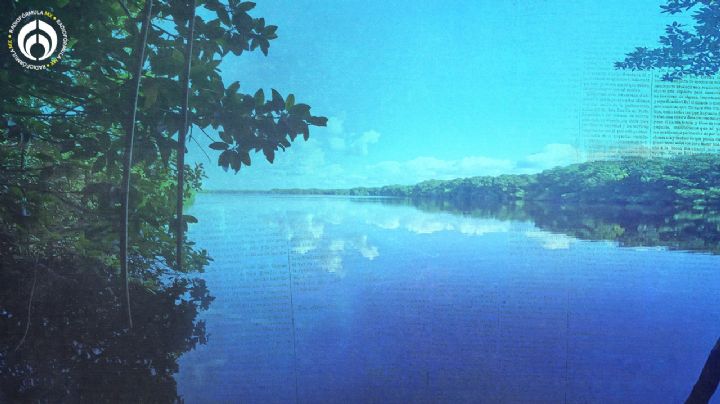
[(636, 202), (687, 181)]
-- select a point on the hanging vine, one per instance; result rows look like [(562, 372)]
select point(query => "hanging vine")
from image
[(182, 138), (128, 160)]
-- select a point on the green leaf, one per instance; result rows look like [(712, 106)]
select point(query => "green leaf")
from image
[(277, 100), (225, 137), (317, 120), (232, 88), (269, 31), (224, 16), (264, 46), (242, 21), (300, 109), (290, 101), (235, 161), (245, 6), (219, 146), (224, 159), (245, 157), (305, 131), (189, 219), (259, 97), (269, 154)]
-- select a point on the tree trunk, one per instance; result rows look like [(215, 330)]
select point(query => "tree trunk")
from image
[(182, 139), (707, 383), (127, 163)]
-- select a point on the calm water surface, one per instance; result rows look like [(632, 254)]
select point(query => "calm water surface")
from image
[(329, 299)]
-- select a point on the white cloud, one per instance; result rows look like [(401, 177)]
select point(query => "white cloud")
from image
[(368, 251), (428, 225), (313, 234), (367, 138), (335, 125), (335, 158), (350, 143), (552, 155), (308, 229), (420, 222), (482, 227), (387, 223), (425, 168)]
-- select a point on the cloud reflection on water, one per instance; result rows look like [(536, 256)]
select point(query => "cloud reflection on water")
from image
[(332, 230)]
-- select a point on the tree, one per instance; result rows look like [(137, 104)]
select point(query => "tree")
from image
[(683, 51), (78, 167), (688, 52), (65, 125)]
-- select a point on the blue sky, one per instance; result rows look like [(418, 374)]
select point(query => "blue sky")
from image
[(417, 90)]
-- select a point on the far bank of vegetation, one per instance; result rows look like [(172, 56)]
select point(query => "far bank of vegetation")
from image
[(692, 180)]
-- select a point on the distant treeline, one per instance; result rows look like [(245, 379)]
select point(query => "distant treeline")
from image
[(683, 180)]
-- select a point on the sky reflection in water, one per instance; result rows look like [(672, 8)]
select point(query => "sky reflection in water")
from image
[(388, 302)]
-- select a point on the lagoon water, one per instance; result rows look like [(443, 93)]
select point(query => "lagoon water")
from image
[(342, 300)]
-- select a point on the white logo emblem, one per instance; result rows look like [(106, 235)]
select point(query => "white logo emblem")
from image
[(40, 33), (39, 42)]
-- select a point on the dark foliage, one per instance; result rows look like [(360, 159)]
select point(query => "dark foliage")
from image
[(683, 51)]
